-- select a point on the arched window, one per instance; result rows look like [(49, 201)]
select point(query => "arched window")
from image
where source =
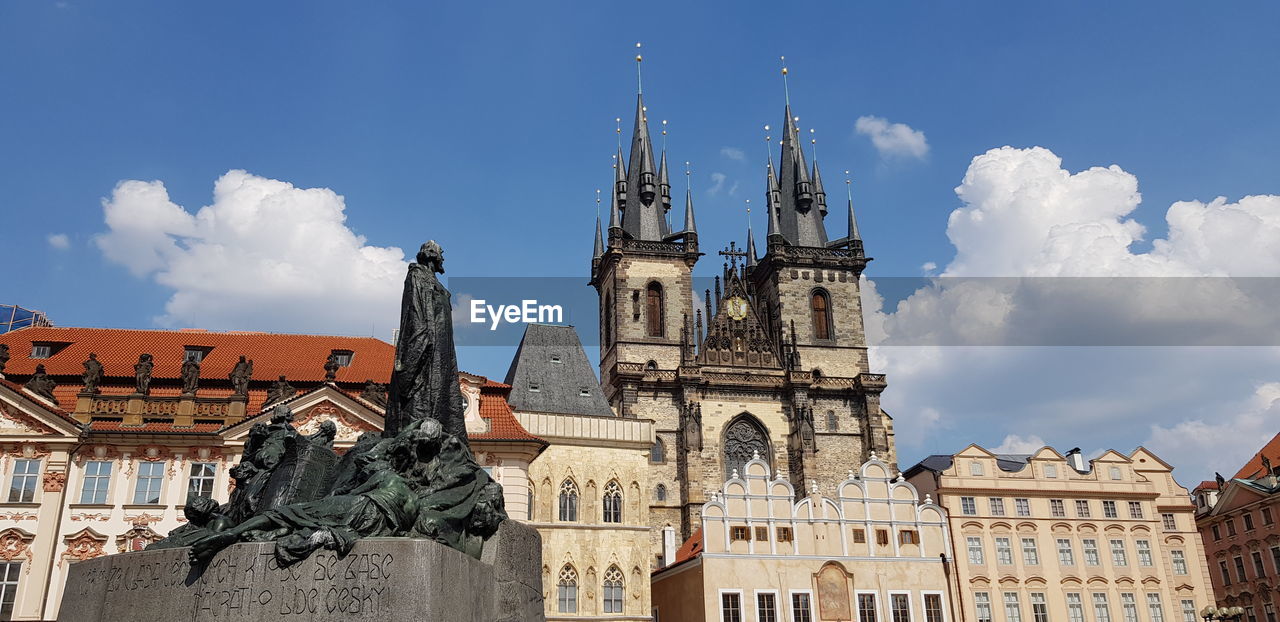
[(660, 493), (651, 366), (833, 422), (743, 438), (531, 506), (820, 307), (607, 318), (612, 502), (613, 590), (568, 501), (567, 590), (653, 310), (658, 453)]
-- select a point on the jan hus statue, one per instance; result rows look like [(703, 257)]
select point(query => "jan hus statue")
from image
[(424, 382)]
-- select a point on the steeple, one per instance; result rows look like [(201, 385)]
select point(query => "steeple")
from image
[(819, 195), (689, 225), (799, 191), (772, 197), (642, 216), (751, 248), (855, 237), (664, 184), (619, 180), (599, 250)]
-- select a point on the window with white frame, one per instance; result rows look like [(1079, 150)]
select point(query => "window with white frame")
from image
[(200, 483), (1188, 610), (612, 589), (982, 606), (1004, 551), (1144, 552), (97, 481), (997, 506), (1066, 554), (1091, 556), (1155, 608), (900, 607), (1039, 607), (730, 607), (1057, 508), (1082, 508), (1101, 608), (1135, 509), (146, 490), (1169, 521), (9, 574), (1109, 510), (1179, 562), (968, 506), (1075, 607), (567, 590), (1022, 507), (1129, 607), (1030, 552), (801, 607), (1118, 555), (1012, 608), (766, 607), (22, 487), (974, 544), (933, 608), (867, 611)]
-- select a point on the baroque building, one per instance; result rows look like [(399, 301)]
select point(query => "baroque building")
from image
[(1050, 536), (772, 360)]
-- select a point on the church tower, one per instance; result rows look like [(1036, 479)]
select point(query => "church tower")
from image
[(770, 363)]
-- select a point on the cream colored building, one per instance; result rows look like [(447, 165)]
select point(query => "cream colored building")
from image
[(1045, 536), (766, 552)]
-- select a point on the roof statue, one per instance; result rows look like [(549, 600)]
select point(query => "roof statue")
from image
[(142, 374), (92, 374), (331, 367), (240, 376), (41, 384), (416, 480), (4, 357), (190, 376), (280, 390)]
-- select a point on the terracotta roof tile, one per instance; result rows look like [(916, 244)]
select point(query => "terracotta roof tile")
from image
[(503, 425), (153, 428), (691, 549), (53, 409), (1206, 485), (1253, 468)]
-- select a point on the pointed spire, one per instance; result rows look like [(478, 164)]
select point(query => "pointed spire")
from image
[(641, 217), (772, 200), (599, 249), (664, 184), (751, 243), (819, 195), (854, 234), (689, 225), (619, 181)]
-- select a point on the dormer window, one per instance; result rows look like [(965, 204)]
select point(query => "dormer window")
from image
[(195, 354), (41, 350), (584, 392), (535, 388), (343, 357), (555, 358)]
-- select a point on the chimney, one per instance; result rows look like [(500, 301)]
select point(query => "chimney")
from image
[(668, 545), (1076, 460)]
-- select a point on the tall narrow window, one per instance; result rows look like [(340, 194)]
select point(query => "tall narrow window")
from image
[(1179, 562), (932, 608), (982, 606), (568, 501), (731, 607), (1118, 555), (147, 488), (658, 453), (1012, 610), (1075, 607), (1039, 607), (766, 607), (1144, 552), (821, 307), (900, 607), (1129, 606), (1004, 552), (1155, 608), (660, 493), (613, 590), (606, 318), (8, 588), (97, 480), (567, 590), (801, 608), (1101, 608), (1066, 556), (201, 482), (653, 310), (1091, 557), (867, 608), (612, 502), (833, 422), (22, 488), (975, 550), (1030, 553), (1189, 610)]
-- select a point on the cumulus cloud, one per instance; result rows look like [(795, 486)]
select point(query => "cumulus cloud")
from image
[(1241, 429), (59, 241), (1015, 444), (1023, 215), (733, 153), (893, 140), (264, 254)]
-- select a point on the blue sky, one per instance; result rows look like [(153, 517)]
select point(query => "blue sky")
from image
[(488, 126)]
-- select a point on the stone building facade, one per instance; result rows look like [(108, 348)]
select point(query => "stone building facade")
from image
[(99, 468), (1049, 535), (771, 360), (1240, 527), (767, 552)]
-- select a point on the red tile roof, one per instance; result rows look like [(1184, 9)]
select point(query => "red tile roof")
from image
[(52, 409), (1253, 468), (1206, 485), (690, 549), (298, 357), (154, 428), (503, 425)]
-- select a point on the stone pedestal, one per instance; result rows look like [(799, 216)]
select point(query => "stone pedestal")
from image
[(382, 579)]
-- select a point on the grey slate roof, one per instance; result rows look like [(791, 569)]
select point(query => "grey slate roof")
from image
[(1010, 463), (550, 373)]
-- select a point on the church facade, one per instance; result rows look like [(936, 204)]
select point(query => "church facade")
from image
[(771, 360)]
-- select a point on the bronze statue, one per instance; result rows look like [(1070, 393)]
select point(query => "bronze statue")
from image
[(240, 376), (424, 381), (190, 376), (280, 390), (4, 357), (374, 393), (331, 368), (142, 374), (92, 374), (325, 435), (203, 517), (41, 384)]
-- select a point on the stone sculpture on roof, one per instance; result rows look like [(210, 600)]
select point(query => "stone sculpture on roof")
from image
[(142, 374), (4, 357), (240, 376), (41, 384), (92, 374), (190, 376)]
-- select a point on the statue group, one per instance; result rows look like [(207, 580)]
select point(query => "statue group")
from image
[(418, 479)]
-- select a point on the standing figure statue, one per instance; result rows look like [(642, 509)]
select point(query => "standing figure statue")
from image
[(142, 374), (280, 390), (424, 381), (240, 376), (4, 357), (92, 374), (190, 376), (331, 368)]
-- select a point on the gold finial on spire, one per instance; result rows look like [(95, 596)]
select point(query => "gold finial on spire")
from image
[(786, 90), (848, 184), (597, 203), (618, 131), (664, 134), (688, 179), (639, 59), (813, 144)]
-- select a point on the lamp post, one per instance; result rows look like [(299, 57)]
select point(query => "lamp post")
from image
[(1225, 614)]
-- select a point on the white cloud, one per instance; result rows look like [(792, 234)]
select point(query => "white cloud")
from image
[(893, 140), (1228, 440), (1015, 444), (1024, 215), (264, 254), (733, 153), (59, 241), (717, 183)]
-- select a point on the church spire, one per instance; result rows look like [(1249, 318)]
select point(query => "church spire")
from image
[(641, 217), (751, 240), (689, 225), (855, 237), (800, 224), (599, 249), (664, 183), (819, 195)]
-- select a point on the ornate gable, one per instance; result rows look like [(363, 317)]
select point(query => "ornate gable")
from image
[(735, 336)]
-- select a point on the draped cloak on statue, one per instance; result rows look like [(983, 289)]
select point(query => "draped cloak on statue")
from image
[(424, 382)]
